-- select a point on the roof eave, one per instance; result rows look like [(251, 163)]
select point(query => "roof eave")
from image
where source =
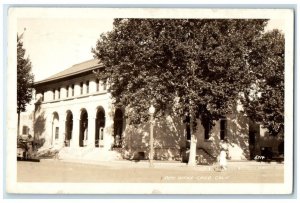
[(67, 75)]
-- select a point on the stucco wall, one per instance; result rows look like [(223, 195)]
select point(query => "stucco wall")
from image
[(169, 138), (169, 132), (236, 139)]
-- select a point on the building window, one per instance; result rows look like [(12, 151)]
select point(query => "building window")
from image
[(58, 93), (81, 88), (104, 85), (207, 129), (25, 130), (223, 127), (72, 90), (53, 91), (67, 91), (97, 85), (87, 86), (56, 132)]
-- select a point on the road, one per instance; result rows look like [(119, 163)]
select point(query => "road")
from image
[(131, 172)]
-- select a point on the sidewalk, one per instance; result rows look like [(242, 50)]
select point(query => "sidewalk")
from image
[(67, 171), (232, 165)]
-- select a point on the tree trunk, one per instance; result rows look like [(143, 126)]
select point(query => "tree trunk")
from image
[(193, 145), (193, 149), (18, 130), (151, 141)]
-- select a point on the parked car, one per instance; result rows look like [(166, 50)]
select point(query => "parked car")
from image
[(25, 149), (22, 149)]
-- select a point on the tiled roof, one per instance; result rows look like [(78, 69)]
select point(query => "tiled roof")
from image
[(74, 70)]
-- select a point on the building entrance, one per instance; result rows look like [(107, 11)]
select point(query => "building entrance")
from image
[(83, 135), (69, 128), (100, 124)]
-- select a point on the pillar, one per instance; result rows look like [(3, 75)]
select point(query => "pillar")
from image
[(91, 130), (51, 133), (48, 95), (56, 93), (69, 90), (93, 86), (84, 87), (63, 92), (75, 134), (108, 138), (76, 90), (62, 131)]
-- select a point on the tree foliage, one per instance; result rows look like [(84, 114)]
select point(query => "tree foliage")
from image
[(194, 67), (25, 78), (264, 100)]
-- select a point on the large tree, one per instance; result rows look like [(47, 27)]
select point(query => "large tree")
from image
[(264, 99), (189, 67), (25, 79)]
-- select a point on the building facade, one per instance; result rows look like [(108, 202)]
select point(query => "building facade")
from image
[(74, 114)]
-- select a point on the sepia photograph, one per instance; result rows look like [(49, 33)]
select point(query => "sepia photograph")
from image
[(150, 101)]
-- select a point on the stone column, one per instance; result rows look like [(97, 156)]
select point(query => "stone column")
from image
[(84, 87), (92, 86), (51, 133), (69, 90), (56, 94), (75, 133), (91, 130), (76, 89), (108, 138), (48, 95), (63, 92), (62, 131)]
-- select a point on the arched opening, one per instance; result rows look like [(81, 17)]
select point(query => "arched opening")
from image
[(69, 128), (55, 127), (100, 124), (118, 127), (83, 132)]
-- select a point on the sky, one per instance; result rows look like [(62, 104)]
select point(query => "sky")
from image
[(55, 44)]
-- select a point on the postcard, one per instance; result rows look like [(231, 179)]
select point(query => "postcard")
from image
[(149, 101)]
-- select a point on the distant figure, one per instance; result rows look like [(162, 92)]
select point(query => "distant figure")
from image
[(118, 141), (101, 133), (30, 143), (223, 160), (110, 142), (85, 134)]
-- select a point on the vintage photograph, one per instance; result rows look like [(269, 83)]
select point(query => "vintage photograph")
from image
[(138, 101)]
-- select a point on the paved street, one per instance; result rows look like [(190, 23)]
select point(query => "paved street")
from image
[(133, 172)]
